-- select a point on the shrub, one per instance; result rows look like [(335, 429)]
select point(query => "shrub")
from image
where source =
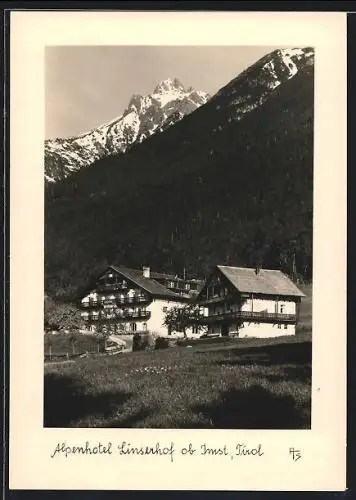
[(143, 341), (161, 343)]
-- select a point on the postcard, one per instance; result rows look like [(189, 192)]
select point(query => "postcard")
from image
[(177, 251)]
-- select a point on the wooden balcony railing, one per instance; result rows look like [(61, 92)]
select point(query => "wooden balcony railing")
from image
[(134, 314), (211, 300), (117, 302), (250, 316), (111, 287), (125, 316), (132, 300), (91, 303)]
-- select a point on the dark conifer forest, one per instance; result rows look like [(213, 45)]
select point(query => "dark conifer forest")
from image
[(208, 190)]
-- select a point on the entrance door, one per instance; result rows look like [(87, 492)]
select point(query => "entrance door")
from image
[(224, 330)]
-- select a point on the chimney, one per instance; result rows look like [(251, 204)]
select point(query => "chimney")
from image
[(146, 272)]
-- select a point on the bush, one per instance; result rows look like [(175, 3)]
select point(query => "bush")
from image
[(143, 341), (161, 343)]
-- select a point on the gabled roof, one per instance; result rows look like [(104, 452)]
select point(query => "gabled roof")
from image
[(154, 275), (265, 282), (160, 276), (150, 285)]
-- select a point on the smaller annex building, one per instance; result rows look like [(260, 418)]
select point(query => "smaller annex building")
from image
[(250, 302), (125, 301)]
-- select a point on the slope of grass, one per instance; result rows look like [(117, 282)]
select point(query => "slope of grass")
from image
[(249, 386), (63, 343)]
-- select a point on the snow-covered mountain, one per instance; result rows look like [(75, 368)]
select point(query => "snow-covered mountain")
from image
[(253, 87), (144, 116), (168, 104)]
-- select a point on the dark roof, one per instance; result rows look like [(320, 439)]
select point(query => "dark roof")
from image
[(266, 282), (150, 285), (174, 277), (162, 276)]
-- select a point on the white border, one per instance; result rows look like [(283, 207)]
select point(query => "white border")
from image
[(323, 463)]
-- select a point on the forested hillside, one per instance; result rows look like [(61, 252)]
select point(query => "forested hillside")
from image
[(209, 190)]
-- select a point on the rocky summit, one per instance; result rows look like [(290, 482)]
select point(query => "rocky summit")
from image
[(144, 116)]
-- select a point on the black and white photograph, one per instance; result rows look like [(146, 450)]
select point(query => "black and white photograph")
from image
[(177, 251), (178, 236)]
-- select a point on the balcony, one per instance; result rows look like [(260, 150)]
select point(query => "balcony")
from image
[(132, 300), (212, 300), (91, 303), (111, 287), (134, 314), (126, 316), (117, 302), (252, 316)]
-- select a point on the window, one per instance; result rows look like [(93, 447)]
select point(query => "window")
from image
[(285, 327), (187, 286), (165, 309), (133, 327), (171, 284), (279, 326), (195, 329), (282, 308)]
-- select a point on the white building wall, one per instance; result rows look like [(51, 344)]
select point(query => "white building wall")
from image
[(265, 330), (270, 306), (257, 330), (289, 306), (158, 309), (90, 296)]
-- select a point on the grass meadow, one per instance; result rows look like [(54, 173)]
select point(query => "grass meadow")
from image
[(232, 384)]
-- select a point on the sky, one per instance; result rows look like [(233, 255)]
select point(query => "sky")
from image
[(87, 86)]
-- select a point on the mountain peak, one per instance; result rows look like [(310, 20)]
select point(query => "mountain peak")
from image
[(144, 116), (169, 84)]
